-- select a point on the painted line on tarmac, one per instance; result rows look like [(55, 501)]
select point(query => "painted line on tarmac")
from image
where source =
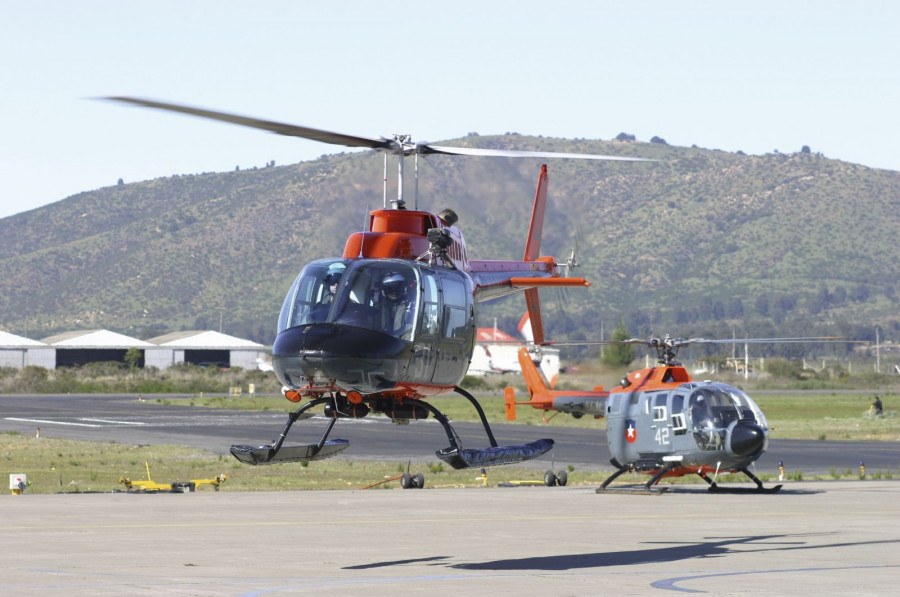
[(671, 583), (45, 422), (113, 422), (399, 521)]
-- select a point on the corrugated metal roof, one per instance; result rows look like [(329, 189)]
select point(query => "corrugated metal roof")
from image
[(94, 339), (8, 340), (201, 339)]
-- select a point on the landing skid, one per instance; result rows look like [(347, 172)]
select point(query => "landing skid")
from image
[(633, 490), (454, 454), (715, 488), (460, 458), (278, 453), (649, 488), (495, 455), (268, 455)]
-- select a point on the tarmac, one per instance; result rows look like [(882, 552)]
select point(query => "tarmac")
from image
[(819, 537)]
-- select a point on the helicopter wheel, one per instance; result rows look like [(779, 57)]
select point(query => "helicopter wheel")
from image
[(562, 478), (406, 481), (549, 479)]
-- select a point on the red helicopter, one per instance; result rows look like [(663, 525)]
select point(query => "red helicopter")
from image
[(392, 321), (663, 423)]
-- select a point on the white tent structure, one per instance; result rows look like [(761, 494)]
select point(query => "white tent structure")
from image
[(204, 348), (19, 351), (91, 346)]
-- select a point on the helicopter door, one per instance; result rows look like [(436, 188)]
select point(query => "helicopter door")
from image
[(425, 348), (662, 429), (456, 334), (679, 424)]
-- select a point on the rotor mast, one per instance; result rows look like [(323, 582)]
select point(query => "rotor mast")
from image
[(402, 144)]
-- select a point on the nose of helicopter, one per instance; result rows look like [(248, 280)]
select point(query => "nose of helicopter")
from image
[(746, 438), (354, 358)]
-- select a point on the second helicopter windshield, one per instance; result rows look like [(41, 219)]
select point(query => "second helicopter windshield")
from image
[(712, 409), (381, 295)]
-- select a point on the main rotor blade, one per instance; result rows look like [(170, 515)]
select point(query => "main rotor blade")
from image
[(291, 130), (810, 340), (512, 153), (680, 342)]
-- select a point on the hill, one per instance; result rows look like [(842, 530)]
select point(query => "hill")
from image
[(701, 241)]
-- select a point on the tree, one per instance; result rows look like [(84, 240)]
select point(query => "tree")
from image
[(619, 354), (860, 294), (133, 357)]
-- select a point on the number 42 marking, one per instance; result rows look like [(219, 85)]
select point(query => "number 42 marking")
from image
[(662, 436)]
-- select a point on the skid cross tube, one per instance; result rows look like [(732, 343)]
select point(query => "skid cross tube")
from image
[(292, 418), (484, 421), (455, 442), (659, 475), (714, 487), (619, 470)]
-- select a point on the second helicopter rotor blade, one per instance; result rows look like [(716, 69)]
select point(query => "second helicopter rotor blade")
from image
[(280, 128), (512, 153)]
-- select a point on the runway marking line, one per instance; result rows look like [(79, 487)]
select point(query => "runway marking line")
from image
[(671, 583), (516, 519), (45, 422), (113, 422)]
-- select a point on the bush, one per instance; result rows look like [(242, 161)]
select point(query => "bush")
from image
[(782, 368)]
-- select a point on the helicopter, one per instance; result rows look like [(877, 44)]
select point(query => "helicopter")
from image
[(663, 423), (392, 321)]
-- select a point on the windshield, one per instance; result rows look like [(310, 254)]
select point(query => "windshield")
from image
[(714, 407), (381, 295)]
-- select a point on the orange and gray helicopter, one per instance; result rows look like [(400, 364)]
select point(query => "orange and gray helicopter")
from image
[(663, 423), (392, 321)]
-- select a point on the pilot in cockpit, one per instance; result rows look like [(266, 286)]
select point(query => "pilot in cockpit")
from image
[(329, 289), (396, 308)]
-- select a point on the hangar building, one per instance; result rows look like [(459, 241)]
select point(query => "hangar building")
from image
[(19, 351), (91, 346), (202, 348)]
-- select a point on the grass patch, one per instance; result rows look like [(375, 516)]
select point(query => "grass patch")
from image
[(62, 466), (59, 465), (791, 415), (829, 416)]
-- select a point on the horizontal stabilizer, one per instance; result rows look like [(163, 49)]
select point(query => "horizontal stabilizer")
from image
[(497, 455), (268, 455)]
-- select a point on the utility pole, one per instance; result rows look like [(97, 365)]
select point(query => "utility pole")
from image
[(877, 349)]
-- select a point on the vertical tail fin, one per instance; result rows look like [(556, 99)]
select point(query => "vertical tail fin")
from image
[(532, 252), (532, 375), (533, 244)]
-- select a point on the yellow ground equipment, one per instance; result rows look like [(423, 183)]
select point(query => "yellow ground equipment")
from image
[(177, 487)]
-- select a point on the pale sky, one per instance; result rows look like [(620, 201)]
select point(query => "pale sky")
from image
[(752, 76)]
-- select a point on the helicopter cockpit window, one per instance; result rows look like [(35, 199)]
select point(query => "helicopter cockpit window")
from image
[(454, 308), (659, 407), (713, 408), (430, 306), (746, 407), (679, 423), (312, 294), (379, 294)]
